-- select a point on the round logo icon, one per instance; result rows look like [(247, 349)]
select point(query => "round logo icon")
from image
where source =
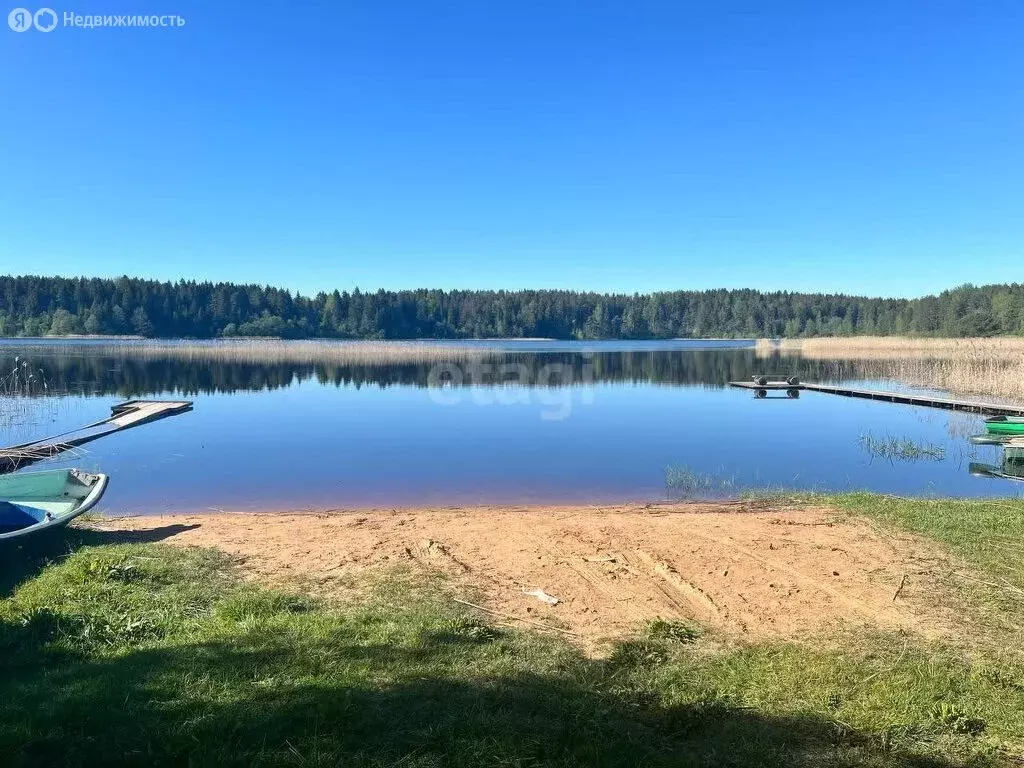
[(20, 19), (45, 19)]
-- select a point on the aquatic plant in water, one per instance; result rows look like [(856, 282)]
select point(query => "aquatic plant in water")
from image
[(682, 482), (902, 448), (21, 395)]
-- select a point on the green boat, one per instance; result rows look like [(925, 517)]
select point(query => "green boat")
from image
[(1005, 425), (35, 501), (990, 439)]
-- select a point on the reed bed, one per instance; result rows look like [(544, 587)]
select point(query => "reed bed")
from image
[(884, 347), (903, 448), (986, 366), (22, 404), (682, 482), (273, 351)]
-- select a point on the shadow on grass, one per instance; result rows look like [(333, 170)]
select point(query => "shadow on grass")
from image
[(269, 698), (22, 559)]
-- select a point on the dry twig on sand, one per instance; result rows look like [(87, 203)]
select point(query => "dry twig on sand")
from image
[(540, 624)]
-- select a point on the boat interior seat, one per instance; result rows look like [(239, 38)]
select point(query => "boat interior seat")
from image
[(13, 517)]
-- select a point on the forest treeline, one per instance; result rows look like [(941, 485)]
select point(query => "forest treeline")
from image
[(40, 306)]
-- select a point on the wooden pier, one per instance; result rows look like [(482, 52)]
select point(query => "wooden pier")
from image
[(925, 401), (131, 413)]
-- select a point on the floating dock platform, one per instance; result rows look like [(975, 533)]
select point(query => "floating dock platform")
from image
[(771, 385), (925, 401)]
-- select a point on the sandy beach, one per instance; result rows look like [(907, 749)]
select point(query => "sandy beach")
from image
[(748, 569)]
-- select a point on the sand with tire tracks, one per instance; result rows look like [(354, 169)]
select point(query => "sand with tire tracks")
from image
[(752, 569)]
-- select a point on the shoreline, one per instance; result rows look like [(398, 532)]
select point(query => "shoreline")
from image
[(753, 569), (690, 506)]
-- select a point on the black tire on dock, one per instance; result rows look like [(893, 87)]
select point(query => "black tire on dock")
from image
[(762, 380), (793, 381), (760, 393), (794, 393)]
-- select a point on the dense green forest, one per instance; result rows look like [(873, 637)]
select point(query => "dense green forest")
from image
[(39, 306)]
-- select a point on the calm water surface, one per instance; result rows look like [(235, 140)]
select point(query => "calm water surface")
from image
[(545, 422)]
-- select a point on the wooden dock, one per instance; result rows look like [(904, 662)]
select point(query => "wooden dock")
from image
[(925, 401), (132, 413)]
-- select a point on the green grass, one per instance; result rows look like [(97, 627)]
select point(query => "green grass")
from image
[(985, 541), (988, 534), (143, 654)]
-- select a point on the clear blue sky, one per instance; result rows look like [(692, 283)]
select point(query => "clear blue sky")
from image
[(869, 147)]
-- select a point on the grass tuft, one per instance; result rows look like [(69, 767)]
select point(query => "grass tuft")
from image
[(638, 654), (255, 605), (674, 631), (463, 629)]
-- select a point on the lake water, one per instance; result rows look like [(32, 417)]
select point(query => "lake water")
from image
[(545, 422)]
